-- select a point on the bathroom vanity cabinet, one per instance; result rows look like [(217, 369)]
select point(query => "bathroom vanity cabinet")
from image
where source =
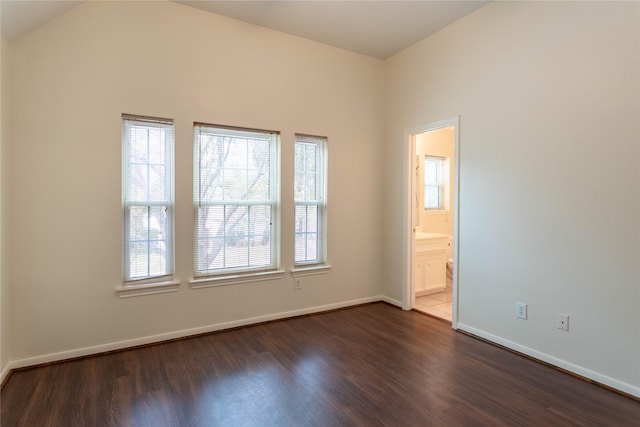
[(430, 269)]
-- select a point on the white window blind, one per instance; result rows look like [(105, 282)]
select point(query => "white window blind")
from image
[(147, 197), (310, 200), (434, 182), (236, 200)]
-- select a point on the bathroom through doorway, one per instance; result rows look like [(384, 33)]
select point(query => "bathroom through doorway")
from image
[(432, 265)]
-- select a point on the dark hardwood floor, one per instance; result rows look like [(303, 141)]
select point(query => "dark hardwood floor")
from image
[(371, 365)]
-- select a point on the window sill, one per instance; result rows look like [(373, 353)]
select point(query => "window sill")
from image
[(147, 289), (436, 211), (209, 282), (310, 270)]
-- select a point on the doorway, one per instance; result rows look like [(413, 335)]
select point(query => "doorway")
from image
[(432, 189)]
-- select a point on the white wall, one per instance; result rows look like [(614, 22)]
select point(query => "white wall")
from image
[(5, 135), (74, 76), (440, 143), (548, 97)]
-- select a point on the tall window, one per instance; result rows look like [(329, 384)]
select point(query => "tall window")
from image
[(236, 199), (434, 182), (147, 187), (310, 200)]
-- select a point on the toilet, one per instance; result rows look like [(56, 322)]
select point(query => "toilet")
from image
[(450, 261)]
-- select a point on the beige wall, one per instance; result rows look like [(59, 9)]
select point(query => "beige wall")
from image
[(440, 143), (74, 77), (548, 97), (5, 135)]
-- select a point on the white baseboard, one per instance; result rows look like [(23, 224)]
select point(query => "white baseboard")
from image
[(5, 372), (579, 370), (391, 301), (119, 345)]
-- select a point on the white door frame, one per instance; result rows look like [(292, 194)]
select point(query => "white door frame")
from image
[(408, 300)]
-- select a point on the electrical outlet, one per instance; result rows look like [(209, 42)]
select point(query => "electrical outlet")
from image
[(297, 284), (563, 321), (521, 310)]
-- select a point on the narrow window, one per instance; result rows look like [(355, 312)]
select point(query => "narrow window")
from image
[(236, 200), (147, 187), (434, 182), (310, 200)]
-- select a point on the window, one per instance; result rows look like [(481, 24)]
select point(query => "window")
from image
[(236, 200), (310, 200), (147, 187), (434, 182)]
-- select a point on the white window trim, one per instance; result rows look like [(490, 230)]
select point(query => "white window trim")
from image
[(316, 267), (235, 279), (436, 211), (128, 291), (241, 274), (154, 284), (301, 270), (443, 187)]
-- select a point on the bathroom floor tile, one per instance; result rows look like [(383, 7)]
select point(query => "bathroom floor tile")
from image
[(443, 311), (438, 304), (440, 297), (428, 302)]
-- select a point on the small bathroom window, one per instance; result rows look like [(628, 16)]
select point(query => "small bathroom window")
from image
[(434, 182)]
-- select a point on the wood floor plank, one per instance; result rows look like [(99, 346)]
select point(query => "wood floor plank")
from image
[(372, 365)]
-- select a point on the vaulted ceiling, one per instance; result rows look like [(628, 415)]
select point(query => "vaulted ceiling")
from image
[(375, 28)]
